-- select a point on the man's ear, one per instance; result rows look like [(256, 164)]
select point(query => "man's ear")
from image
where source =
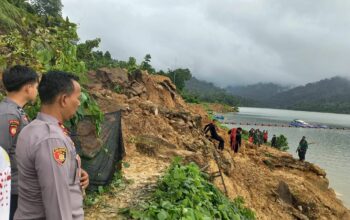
[(26, 88), (62, 100)]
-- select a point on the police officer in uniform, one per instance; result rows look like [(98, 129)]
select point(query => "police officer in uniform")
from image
[(51, 181), (302, 148), (21, 85)]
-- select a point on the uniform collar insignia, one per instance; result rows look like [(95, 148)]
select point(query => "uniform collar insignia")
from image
[(64, 129)]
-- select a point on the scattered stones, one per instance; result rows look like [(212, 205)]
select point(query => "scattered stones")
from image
[(163, 126)]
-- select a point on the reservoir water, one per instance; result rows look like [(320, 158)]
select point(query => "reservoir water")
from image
[(330, 149)]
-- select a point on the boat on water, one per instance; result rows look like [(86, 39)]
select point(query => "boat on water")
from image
[(302, 124), (219, 117)]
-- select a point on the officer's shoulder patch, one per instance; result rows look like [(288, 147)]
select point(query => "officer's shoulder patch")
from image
[(13, 125), (60, 155)]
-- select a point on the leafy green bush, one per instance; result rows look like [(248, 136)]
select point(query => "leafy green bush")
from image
[(190, 98), (185, 193), (245, 135), (282, 143), (88, 107), (45, 43)]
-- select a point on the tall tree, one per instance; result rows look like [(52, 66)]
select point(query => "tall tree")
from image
[(179, 77), (48, 7), (145, 65), (84, 50)]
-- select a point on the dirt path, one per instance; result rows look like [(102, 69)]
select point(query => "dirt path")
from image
[(141, 178)]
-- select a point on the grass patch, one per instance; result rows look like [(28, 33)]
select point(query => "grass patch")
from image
[(118, 182), (184, 192)]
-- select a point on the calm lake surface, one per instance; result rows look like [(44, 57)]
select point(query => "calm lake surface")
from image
[(331, 148)]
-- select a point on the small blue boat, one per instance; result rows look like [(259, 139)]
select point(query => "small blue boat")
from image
[(300, 124), (219, 117)]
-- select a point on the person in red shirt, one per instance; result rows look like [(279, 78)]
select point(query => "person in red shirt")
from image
[(266, 136)]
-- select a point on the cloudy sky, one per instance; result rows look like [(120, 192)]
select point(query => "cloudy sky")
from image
[(231, 42)]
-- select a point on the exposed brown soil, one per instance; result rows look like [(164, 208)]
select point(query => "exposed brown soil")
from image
[(158, 125)]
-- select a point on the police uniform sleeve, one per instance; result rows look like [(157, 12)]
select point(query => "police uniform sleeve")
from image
[(10, 126), (52, 164)]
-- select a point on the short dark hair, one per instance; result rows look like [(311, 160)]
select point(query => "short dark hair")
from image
[(54, 83), (17, 76)]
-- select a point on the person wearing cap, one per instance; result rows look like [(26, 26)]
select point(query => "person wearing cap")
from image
[(21, 84), (302, 148), (51, 181)]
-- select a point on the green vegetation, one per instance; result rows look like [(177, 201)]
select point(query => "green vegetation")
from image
[(245, 135), (93, 198), (95, 59), (47, 7), (207, 92), (45, 41), (88, 106), (179, 77), (145, 65), (327, 95), (282, 143), (257, 94), (10, 15), (36, 35), (190, 98), (185, 193)]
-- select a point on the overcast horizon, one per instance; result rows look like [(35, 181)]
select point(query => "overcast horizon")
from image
[(230, 42)]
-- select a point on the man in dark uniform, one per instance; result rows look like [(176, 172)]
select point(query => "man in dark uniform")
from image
[(274, 141), (212, 128), (257, 137), (238, 139), (51, 181), (303, 146), (21, 85)]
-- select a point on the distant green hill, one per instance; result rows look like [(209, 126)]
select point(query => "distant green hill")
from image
[(258, 92), (328, 95), (208, 92)]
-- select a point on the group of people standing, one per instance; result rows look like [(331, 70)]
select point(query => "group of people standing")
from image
[(258, 137), (40, 171)]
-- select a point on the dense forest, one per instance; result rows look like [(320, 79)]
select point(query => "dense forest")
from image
[(203, 91), (327, 95), (259, 92)]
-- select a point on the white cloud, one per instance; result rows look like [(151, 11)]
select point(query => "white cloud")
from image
[(227, 42)]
